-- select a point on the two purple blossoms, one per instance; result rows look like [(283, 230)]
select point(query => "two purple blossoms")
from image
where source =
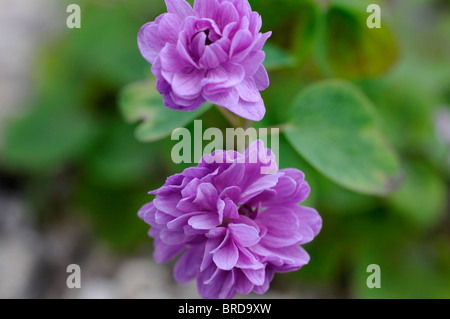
[(231, 225)]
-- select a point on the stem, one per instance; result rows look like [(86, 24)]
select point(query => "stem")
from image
[(247, 124), (233, 119)]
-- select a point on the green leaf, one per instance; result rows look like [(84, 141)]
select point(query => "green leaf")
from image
[(348, 48), (276, 58), (406, 272), (333, 125), (119, 160), (47, 137), (141, 101), (422, 197)]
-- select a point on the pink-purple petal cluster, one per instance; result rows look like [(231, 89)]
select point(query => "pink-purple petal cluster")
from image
[(212, 52), (232, 226)]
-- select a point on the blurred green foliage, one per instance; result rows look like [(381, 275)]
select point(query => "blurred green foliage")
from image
[(374, 125)]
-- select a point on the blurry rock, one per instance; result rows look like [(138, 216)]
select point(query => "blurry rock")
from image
[(24, 26), (142, 278), (17, 261), (97, 288), (19, 249)]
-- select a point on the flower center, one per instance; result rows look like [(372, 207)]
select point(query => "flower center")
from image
[(207, 40), (246, 210)]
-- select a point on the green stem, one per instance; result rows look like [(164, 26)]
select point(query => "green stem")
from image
[(232, 118)]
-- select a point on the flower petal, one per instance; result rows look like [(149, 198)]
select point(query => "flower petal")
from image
[(244, 235), (149, 42), (179, 7), (206, 8), (261, 78), (282, 227), (188, 265), (187, 82), (204, 221), (226, 14), (213, 56), (226, 255), (248, 91), (256, 276), (241, 45), (253, 111)]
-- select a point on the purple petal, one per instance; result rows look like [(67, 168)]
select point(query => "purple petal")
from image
[(232, 193), (265, 286), (282, 227), (171, 62), (206, 196), (149, 42), (187, 104), (198, 45), (206, 8), (162, 218), (242, 284), (310, 222), (227, 75), (243, 7), (261, 78), (213, 56), (188, 82), (253, 62), (179, 7), (244, 235), (226, 14), (247, 260), (241, 45), (261, 40), (255, 23), (188, 265), (172, 237), (182, 47), (233, 175), (215, 237), (204, 221), (163, 252), (169, 28), (180, 222), (226, 255), (248, 91), (228, 99), (146, 209), (253, 111), (167, 204), (230, 209), (256, 276)]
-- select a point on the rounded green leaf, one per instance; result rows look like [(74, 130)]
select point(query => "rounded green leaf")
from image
[(141, 101), (333, 125), (47, 136), (422, 197)]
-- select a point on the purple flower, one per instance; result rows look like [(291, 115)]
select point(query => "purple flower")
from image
[(233, 226), (210, 53)]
